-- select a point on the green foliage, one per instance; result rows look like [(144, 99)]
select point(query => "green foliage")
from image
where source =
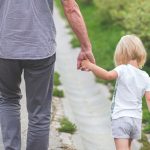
[(112, 10), (58, 93), (86, 1), (133, 15), (144, 141), (147, 129), (146, 117), (137, 18), (67, 126), (56, 79)]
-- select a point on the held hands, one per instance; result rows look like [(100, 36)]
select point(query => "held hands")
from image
[(86, 64), (85, 58)]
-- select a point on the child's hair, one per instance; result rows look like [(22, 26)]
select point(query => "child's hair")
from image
[(130, 47)]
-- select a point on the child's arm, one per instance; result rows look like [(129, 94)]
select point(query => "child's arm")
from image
[(147, 96), (100, 72)]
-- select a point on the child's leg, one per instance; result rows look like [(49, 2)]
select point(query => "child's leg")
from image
[(122, 144), (130, 142)]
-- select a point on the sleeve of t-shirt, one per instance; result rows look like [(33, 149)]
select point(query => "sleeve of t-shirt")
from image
[(148, 85), (119, 70)]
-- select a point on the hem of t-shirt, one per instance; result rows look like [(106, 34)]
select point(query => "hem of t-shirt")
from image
[(121, 137), (136, 137), (132, 116), (27, 57)]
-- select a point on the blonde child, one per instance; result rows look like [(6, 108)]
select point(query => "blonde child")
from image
[(131, 85)]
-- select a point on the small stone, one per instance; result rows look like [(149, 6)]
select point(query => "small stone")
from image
[(66, 138)]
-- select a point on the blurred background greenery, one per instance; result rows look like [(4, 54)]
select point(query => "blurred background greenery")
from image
[(107, 21)]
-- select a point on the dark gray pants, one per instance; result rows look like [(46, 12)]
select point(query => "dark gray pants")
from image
[(38, 75)]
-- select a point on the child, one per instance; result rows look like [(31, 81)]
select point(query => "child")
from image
[(131, 85)]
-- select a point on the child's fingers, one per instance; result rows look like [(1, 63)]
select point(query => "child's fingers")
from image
[(83, 62)]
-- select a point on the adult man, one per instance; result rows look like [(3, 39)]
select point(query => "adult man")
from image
[(27, 43)]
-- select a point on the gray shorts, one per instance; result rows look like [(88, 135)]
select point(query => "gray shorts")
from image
[(126, 127)]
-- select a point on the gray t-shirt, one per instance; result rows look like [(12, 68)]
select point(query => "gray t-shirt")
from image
[(27, 29)]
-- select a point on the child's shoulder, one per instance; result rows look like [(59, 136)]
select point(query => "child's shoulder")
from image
[(127, 68), (145, 74)]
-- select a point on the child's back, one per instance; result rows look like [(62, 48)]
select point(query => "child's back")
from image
[(131, 86)]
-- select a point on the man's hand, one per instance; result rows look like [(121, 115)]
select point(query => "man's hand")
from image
[(84, 55)]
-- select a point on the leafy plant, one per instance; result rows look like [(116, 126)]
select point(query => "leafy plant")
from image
[(67, 126), (58, 93), (56, 79), (144, 141)]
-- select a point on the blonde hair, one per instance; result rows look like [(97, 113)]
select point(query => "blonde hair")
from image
[(130, 47)]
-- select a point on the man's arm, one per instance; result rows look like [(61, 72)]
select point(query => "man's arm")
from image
[(75, 19)]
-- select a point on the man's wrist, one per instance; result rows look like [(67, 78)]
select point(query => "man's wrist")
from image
[(86, 46)]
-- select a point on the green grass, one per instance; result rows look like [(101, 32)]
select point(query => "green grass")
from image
[(146, 117), (56, 79), (58, 93), (144, 141), (67, 126)]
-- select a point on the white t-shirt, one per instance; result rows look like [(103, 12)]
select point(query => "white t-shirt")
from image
[(131, 85)]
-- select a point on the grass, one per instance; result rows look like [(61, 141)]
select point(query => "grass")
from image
[(56, 79), (58, 93), (144, 141), (146, 117), (67, 126)]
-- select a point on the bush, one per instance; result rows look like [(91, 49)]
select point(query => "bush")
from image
[(137, 21), (112, 10), (133, 16)]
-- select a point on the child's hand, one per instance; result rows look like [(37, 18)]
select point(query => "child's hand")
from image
[(86, 64)]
